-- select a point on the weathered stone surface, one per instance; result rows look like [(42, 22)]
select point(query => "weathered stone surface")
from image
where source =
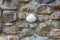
[(31, 18), (55, 33), (33, 25), (22, 24), (43, 29), (57, 6), (24, 1), (56, 24), (48, 1), (43, 17), (45, 1), (26, 32), (9, 16), (13, 37), (35, 38), (8, 23), (26, 9), (42, 38), (26, 38), (54, 39), (12, 4), (2, 38), (44, 9), (11, 30), (1, 27), (21, 16), (55, 15)]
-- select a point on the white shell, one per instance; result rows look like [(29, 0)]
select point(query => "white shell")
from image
[(31, 18)]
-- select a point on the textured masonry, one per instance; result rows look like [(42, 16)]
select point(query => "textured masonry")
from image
[(29, 19)]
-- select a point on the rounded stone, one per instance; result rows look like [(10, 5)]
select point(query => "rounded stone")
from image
[(33, 25), (42, 38), (13, 37), (21, 16), (56, 24), (43, 29), (55, 33), (57, 6), (27, 9), (31, 18), (11, 30), (44, 9), (26, 32), (55, 15)]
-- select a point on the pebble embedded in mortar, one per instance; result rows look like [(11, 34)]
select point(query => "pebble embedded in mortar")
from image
[(31, 18)]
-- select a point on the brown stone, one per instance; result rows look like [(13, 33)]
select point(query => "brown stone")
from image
[(14, 6), (22, 24), (57, 6), (24, 1), (27, 9), (11, 30), (2, 38), (55, 33), (13, 37), (26, 32), (10, 4), (43, 17), (55, 15), (21, 16), (56, 24), (43, 29), (9, 16), (44, 9)]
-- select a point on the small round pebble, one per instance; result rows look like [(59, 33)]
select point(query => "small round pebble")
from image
[(31, 18)]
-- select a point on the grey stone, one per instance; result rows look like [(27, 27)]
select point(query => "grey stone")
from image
[(31, 18), (13, 37), (9, 16), (55, 15), (43, 29), (11, 30), (44, 9), (56, 24), (43, 17), (21, 16), (33, 25), (12, 4), (45, 1), (42, 38), (22, 24), (55, 33), (26, 32)]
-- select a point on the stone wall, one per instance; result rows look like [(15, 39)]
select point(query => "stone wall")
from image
[(29, 20)]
